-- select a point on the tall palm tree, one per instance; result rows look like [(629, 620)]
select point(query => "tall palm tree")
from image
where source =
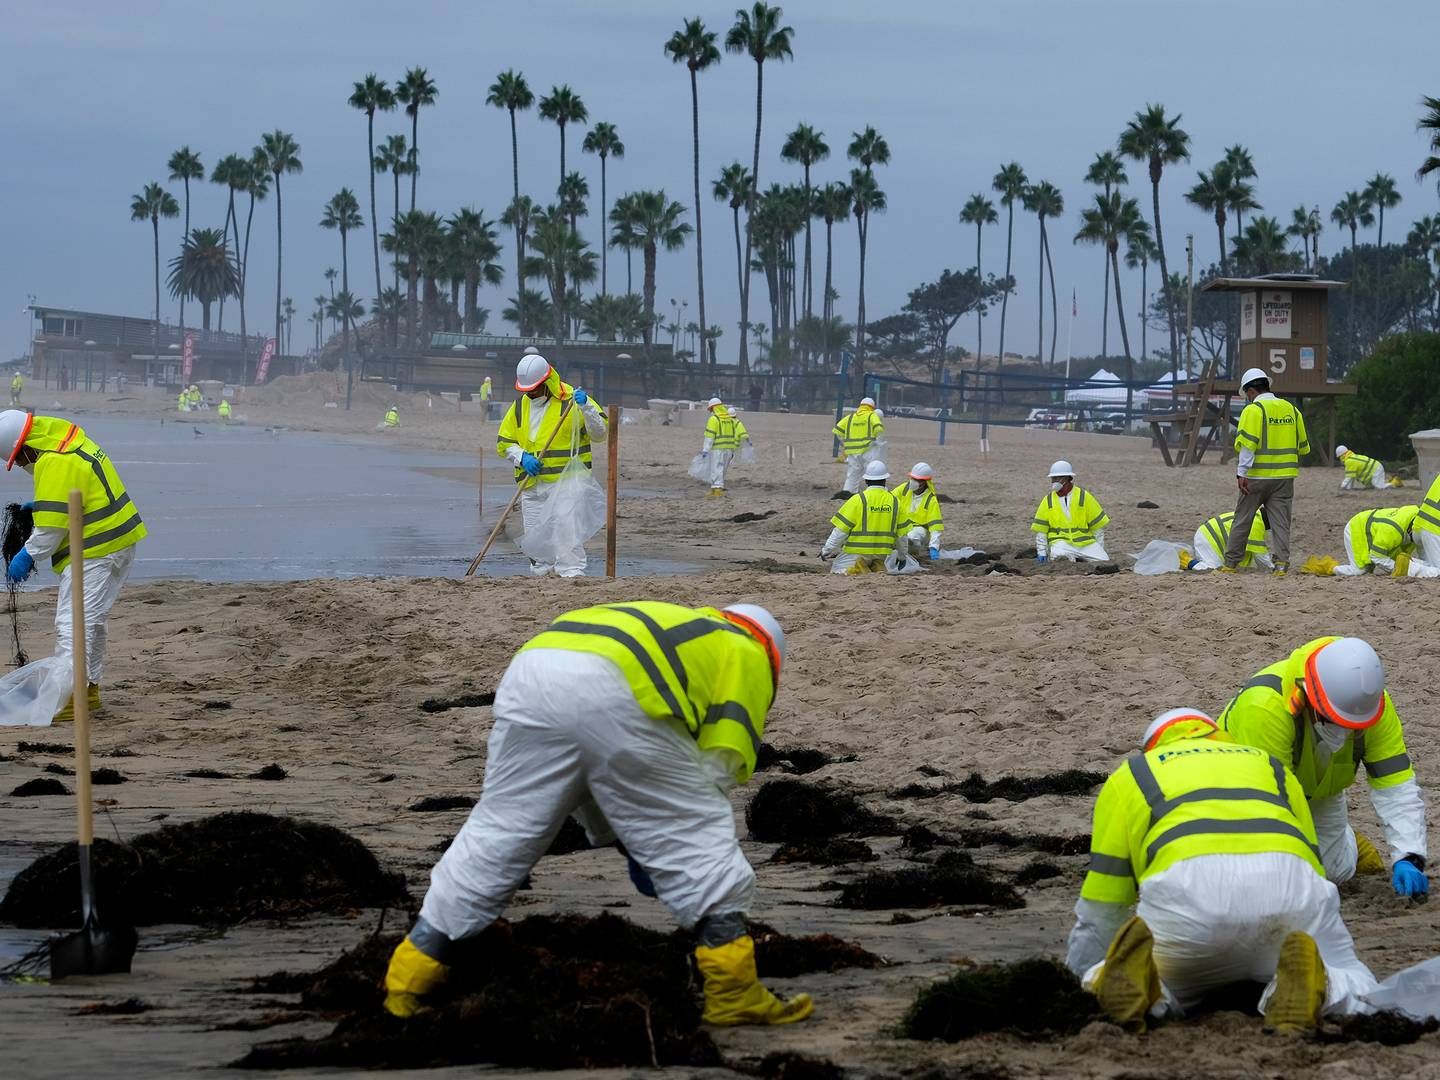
[(1262, 249), (694, 46), (1106, 172), (372, 95), (1009, 183), (865, 198), (185, 165), (1242, 168), (512, 93), (806, 146), (563, 106), (1351, 212), (342, 212), (733, 187), (1382, 194), (978, 211), (257, 186), (562, 258), (603, 140), (1045, 200), (413, 235), (1107, 222), (204, 270), (1139, 252), (1429, 123), (479, 255), (345, 309), (232, 170), (1158, 140), (1299, 228), (759, 34), (287, 308), (572, 196), (282, 155), (517, 216), (656, 223), (393, 156), (153, 203), (415, 90), (1213, 192), (319, 319), (1241, 199)]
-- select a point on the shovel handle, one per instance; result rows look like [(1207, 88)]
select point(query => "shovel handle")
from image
[(80, 694)]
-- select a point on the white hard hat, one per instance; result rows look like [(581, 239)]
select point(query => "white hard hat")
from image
[(14, 428), (1345, 682), (1341, 450), (530, 350), (868, 401), (876, 470), (1167, 720), (766, 626), (1062, 468), (531, 372), (713, 402), (1251, 374), (922, 471)]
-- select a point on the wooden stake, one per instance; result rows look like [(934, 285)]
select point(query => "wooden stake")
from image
[(611, 481), (80, 694)]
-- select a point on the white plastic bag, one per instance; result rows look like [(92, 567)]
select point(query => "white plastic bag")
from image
[(32, 695), (699, 468), (574, 511), (747, 454), (1160, 557), (875, 452), (894, 565), (1415, 991), (956, 554)]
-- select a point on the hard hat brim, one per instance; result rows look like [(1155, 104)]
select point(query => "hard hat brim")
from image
[(1315, 692), (538, 382), (24, 434), (760, 634)]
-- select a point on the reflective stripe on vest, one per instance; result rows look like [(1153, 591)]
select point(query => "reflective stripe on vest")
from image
[(851, 441), (866, 537), (98, 541), (1361, 467), (1274, 460), (1079, 535), (726, 435)]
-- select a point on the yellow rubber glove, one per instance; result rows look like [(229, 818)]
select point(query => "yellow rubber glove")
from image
[(410, 977), (1402, 566), (1320, 565), (733, 994), (1367, 859)]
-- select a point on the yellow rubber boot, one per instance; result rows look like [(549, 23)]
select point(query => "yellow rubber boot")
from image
[(410, 977), (1299, 996), (1402, 566), (1129, 983), (66, 715), (733, 994), (1367, 859)]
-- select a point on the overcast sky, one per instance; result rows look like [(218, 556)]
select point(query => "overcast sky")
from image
[(1324, 93)]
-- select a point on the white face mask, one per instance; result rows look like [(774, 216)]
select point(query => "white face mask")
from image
[(916, 485), (1056, 485), (1331, 736)]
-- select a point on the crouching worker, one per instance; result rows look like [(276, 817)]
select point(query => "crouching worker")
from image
[(1213, 538), (1212, 844), (1069, 522), (922, 505), (671, 714), (868, 528), (1384, 540)]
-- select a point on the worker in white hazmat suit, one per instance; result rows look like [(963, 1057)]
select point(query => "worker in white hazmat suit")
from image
[(1211, 843), (922, 506), (1324, 711), (862, 441), (539, 443), (1070, 522), (1383, 541), (62, 460), (1213, 536), (868, 533), (638, 718), (1361, 471), (724, 432)]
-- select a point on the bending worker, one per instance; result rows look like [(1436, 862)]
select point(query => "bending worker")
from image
[(1384, 540), (671, 716), (723, 434), (1212, 845), (1324, 710), (224, 410), (392, 417), (1427, 525), (1070, 522), (539, 444), (62, 460), (1213, 537), (868, 527), (1271, 440), (922, 507), (862, 441), (17, 384), (1360, 471)]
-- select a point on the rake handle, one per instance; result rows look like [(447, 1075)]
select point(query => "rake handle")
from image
[(80, 696)]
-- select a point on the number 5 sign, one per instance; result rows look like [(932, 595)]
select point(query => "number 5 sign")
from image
[(1277, 361)]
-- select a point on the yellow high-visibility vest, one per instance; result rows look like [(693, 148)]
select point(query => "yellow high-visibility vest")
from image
[(724, 430), (858, 431), (922, 507), (68, 460), (392, 418), (1428, 519), (1384, 533), (573, 438), (1359, 466), (690, 665), (872, 521), (1275, 431), (1076, 526), (1193, 797), (1218, 530)]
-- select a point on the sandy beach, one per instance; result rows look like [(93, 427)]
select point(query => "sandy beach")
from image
[(911, 680)]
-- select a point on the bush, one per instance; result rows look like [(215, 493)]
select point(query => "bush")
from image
[(1399, 393)]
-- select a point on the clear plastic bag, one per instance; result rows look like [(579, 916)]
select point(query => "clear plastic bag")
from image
[(573, 512), (32, 695), (895, 563), (1415, 991), (1160, 557), (747, 454), (699, 468)]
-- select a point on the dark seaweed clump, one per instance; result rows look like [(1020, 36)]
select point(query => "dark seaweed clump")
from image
[(1033, 998), (794, 810)]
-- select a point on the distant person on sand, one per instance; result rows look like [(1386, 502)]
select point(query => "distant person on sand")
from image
[(1271, 440), (1070, 522), (392, 417), (224, 410), (17, 384), (62, 460), (638, 719), (862, 441), (182, 401), (724, 433), (1211, 844), (922, 507), (1361, 471)]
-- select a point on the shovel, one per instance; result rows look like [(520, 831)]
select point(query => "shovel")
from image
[(93, 950)]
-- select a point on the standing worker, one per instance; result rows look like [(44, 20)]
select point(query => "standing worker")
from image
[(487, 390), (637, 718), (17, 384), (1324, 711), (862, 441), (62, 460), (182, 401), (532, 424), (1384, 540), (922, 506), (224, 410), (1069, 522), (1213, 538), (1271, 440), (1361, 471), (1427, 525), (1212, 845), (723, 434), (392, 416), (868, 527)]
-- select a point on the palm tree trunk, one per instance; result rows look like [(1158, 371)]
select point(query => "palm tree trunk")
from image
[(649, 295), (979, 312), (1005, 299), (604, 247), (414, 152), (344, 264), (155, 328), (244, 275), (472, 300), (699, 241), (629, 276), (1105, 309), (515, 206), (279, 259), (187, 236), (1164, 274), (1125, 340), (562, 159), (1220, 235), (1040, 298), (750, 222), (1054, 314), (229, 218), (825, 304), (860, 306), (374, 222), (809, 277), (396, 267), (1144, 304)]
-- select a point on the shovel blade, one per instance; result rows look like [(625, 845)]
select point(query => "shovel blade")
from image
[(93, 950)]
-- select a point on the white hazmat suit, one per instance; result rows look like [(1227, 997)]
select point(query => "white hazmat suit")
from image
[(572, 561)]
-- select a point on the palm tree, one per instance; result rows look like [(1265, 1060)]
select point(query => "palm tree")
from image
[(330, 275), (345, 309), (1107, 222), (233, 171), (865, 198), (281, 155), (1381, 193), (288, 310), (1262, 248), (1242, 198), (759, 34), (185, 165), (561, 257), (153, 203), (1106, 172), (342, 212), (415, 91), (978, 211), (1430, 122), (479, 254), (372, 94), (609, 317), (1045, 200), (257, 186), (1139, 251), (563, 106), (1352, 212), (655, 224), (832, 204), (1242, 168), (571, 197), (603, 140), (393, 156), (806, 146), (319, 319), (1153, 138), (204, 270), (414, 233), (733, 187), (512, 93), (1010, 183), (694, 46), (1299, 228), (517, 216), (1213, 192)]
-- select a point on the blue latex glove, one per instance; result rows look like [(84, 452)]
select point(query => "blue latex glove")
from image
[(530, 463), (20, 566), (1040, 558), (934, 554), (1409, 879), (581, 397), (641, 880)]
